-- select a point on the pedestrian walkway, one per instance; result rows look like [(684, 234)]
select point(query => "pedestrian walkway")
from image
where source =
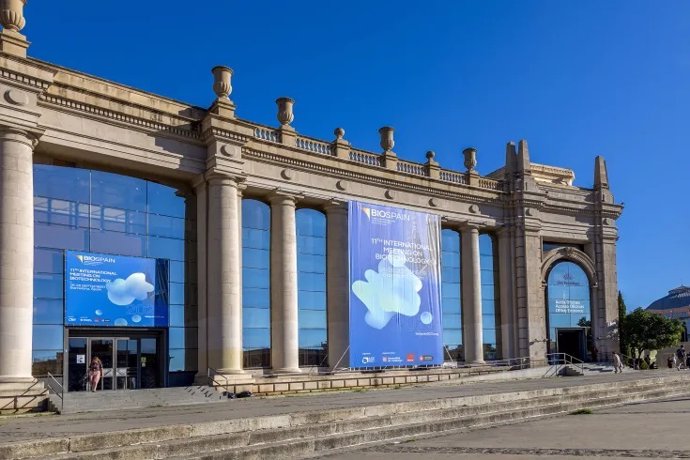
[(16, 428), (642, 430)]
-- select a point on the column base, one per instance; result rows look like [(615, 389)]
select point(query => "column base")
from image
[(477, 362), (12, 379)]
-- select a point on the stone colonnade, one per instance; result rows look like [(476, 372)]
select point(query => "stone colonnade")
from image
[(224, 285)]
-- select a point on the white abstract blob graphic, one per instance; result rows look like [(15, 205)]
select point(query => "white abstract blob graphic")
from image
[(426, 317), (99, 312), (136, 318), (120, 322), (392, 290), (124, 292)]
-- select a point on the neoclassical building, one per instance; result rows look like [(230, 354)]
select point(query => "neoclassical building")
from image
[(248, 228)]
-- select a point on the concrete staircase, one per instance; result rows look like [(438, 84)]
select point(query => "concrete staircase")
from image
[(317, 433), (21, 398), (83, 401)]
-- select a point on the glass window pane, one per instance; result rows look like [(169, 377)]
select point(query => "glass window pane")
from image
[(48, 286), (48, 311), (47, 337), (117, 191), (44, 361), (164, 200)]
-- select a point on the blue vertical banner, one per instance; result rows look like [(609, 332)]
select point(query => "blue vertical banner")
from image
[(395, 288)]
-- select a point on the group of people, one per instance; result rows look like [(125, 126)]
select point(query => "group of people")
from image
[(678, 359)]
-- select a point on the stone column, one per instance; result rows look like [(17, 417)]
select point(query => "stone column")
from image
[(472, 296), (506, 302), (338, 286), (16, 255), (224, 276), (201, 190), (284, 310)]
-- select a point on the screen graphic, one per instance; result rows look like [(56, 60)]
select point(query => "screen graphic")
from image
[(115, 291), (395, 314)]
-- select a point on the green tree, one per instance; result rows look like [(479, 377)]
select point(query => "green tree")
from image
[(648, 331), (622, 313)]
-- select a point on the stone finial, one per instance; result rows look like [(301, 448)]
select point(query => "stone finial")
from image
[(339, 134), (285, 114), (430, 155), (222, 81), (470, 155), (511, 158), (523, 162), (601, 176), (12, 14), (387, 141)]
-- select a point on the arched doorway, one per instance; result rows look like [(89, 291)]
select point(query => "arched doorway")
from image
[(569, 312)]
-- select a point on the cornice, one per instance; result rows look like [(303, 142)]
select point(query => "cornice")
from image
[(119, 117)]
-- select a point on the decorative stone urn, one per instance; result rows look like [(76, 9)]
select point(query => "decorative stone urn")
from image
[(222, 81), (470, 154), (285, 114), (12, 14), (387, 140)]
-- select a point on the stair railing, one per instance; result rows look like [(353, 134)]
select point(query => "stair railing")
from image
[(211, 378), (564, 359), (57, 389)]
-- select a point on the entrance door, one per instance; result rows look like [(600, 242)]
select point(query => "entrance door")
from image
[(572, 342), (128, 363)]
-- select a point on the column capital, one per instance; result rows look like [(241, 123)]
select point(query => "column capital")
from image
[(283, 197), (10, 133), (335, 207), (471, 227), (213, 177)]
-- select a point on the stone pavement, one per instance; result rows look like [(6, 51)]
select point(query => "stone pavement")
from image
[(642, 430), (43, 426)]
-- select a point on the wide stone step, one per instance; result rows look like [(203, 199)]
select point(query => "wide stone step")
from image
[(317, 439), (76, 402), (343, 427)]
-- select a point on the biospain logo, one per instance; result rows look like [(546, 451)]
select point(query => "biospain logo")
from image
[(94, 260), (373, 213)]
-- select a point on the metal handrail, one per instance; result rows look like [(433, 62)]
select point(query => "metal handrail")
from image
[(211, 379), (564, 359), (61, 393)]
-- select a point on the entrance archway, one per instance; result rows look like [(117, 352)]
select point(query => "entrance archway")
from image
[(569, 312)]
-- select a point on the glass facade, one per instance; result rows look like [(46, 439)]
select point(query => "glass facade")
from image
[(256, 283), (451, 289), (568, 300), (490, 324), (311, 284), (100, 212)]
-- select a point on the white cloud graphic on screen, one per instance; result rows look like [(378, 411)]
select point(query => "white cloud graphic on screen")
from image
[(390, 291), (124, 292)]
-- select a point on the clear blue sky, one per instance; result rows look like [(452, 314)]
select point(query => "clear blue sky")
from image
[(576, 79)]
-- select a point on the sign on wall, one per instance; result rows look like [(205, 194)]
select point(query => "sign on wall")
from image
[(568, 295), (395, 314), (113, 291)]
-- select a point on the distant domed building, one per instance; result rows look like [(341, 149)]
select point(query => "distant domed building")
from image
[(675, 305)]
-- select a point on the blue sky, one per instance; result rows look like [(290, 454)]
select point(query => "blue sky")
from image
[(576, 79)]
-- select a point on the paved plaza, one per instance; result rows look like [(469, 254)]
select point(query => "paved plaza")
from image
[(653, 429), (642, 430)]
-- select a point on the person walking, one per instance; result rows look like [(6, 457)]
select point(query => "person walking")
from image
[(617, 363), (95, 372), (680, 355)]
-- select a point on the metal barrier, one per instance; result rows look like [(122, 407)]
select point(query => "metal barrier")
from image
[(561, 360), (56, 388)]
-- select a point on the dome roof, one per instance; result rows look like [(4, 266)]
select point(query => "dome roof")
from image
[(676, 298)]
